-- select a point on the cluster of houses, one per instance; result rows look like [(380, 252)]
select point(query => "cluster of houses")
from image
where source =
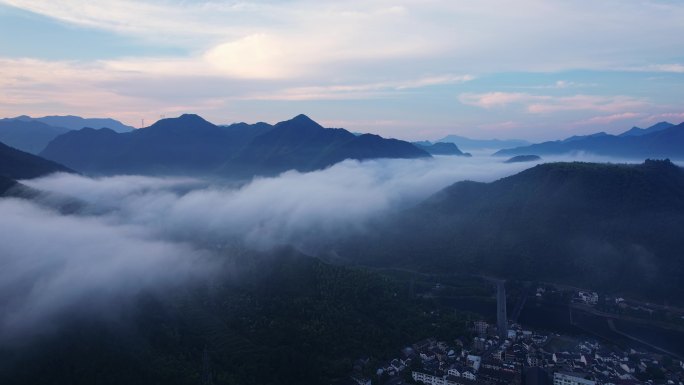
[(441, 364), (524, 357), (521, 356)]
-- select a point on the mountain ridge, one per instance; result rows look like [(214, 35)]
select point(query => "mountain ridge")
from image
[(17, 164), (636, 131), (662, 142), (611, 227), (74, 122), (469, 144), (191, 144), (33, 134), (441, 148)]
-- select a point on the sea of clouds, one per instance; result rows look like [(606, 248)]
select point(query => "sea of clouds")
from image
[(126, 234)]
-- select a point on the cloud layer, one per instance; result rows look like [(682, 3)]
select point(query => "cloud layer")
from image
[(54, 265), (131, 233), (295, 208)]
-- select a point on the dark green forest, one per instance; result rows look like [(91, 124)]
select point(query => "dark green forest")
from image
[(610, 227), (289, 320)]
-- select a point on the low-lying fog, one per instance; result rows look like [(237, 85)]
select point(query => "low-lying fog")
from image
[(132, 232)]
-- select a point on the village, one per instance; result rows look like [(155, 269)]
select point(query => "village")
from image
[(517, 355)]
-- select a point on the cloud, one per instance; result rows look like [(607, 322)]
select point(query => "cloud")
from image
[(496, 99), (540, 104), (133, 234), (563, 84), (322, 37), (671, 68), (269, 60), (607, 119), (586, 103), (672, 117), (102, 89), (257, 56), (291, 55), (55, 264), (299, 209), (132, 89), (156, 20), (271, 211), (361, 91)]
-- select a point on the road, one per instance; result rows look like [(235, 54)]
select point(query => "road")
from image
[(611, 324)]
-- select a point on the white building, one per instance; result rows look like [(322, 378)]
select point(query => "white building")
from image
[(570, 379), (474, 362), (429, 379), (589, 297), (468, 375)]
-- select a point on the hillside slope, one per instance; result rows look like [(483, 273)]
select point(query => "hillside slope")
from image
[(611, 227), (29, 136), (16, 164)]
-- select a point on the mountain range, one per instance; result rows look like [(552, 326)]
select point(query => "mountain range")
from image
[(72, 122), (440, 148), (190, 144), (636, 131), (468, 144), (613, 227), (33, 134), (609, 226), (662, 140), (28, 135)]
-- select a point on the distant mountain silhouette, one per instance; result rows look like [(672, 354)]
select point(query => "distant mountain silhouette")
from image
[(636, 131), (468, 144), (190, 144), (33, 134), (16, 164), (659, 142), (72, 122), (575, 138), (606, 226), (440, 148), (523, 158), (28, 135)]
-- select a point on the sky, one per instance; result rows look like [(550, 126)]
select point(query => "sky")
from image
[(415, 70)]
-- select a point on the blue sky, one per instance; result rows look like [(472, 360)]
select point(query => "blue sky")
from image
[(412, 69)]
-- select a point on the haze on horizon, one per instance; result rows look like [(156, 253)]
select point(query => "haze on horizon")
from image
[(410, 69)]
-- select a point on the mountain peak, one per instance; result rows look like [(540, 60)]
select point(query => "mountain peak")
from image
[(637, 131), (582, 137), (191, 118), (302, 118), (661, 124), (300, 122), (192, 121)]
